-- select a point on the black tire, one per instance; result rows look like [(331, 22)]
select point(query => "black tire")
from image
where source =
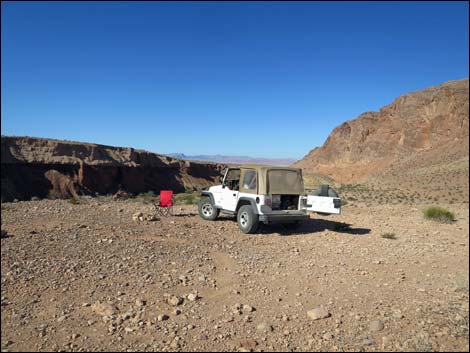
[(207, 210), (325, 190), (248, 221), (332, 193), (293, 225)]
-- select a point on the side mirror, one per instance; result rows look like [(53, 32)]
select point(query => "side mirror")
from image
[(221, 179)]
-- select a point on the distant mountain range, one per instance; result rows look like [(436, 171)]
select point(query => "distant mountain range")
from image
[(217, 158)]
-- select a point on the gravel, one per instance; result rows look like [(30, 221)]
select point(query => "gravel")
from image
[(86, 277)]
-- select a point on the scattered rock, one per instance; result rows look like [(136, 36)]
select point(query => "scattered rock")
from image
[(139, 216), (376, 325), (247, 308), (245, 345), (61, 318), (397, 315), (151, 218), (264, 327), (174, 345), (193, 297), (103, 309), (318, 313), (121, 195), (367, 341), (140, 303), (175, 300)]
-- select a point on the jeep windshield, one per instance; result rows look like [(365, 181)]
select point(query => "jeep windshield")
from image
[(284, 181)]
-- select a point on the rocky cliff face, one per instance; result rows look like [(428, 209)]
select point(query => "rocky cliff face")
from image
[(53, 168), (436, 118)]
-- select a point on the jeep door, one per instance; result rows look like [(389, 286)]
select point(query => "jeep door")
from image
[(322, 204), (230, 189)]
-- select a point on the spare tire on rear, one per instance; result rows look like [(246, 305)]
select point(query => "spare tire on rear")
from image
[(325, 190)]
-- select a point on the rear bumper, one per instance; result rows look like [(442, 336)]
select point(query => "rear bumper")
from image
[(282, 218)]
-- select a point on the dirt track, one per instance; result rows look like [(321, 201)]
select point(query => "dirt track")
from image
[(60, 261)]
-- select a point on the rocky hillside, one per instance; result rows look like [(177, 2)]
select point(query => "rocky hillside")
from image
[(423, 127), (53, 168)]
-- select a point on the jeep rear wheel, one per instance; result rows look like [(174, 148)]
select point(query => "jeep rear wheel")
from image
[(248, 221), (207, 210)]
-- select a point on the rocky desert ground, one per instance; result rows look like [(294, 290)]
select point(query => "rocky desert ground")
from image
[(93, 276)]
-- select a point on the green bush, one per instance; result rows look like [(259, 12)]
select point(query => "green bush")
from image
[(187, 198), (147, 197), (439, 214), (149, 193), (388, 235), (74, 200)]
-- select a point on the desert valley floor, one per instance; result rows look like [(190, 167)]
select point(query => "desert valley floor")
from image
[(80, 277)]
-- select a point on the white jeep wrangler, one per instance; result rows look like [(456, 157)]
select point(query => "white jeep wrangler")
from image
[(265, 194)]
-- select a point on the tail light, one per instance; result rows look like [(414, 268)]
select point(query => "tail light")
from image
[(268, 201)]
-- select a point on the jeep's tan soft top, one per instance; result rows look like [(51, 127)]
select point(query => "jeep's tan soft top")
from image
[(271, 180)]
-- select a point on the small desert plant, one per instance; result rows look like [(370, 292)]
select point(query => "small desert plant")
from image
[(439, 214), (147, 197), (149, 193), (74, 200), (187, 198), (388, 235)]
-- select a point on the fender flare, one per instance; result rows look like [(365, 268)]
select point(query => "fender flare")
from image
[(251, 201), (209, 194)]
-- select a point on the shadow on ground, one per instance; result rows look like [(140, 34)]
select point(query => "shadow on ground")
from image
[(6, 235), (307, 227), (313, 226), (189, 214)]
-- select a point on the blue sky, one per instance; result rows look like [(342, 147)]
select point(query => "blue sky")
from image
[(268, 79)]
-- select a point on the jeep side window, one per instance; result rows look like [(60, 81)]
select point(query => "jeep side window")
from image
[(232, 180), (249, 181)]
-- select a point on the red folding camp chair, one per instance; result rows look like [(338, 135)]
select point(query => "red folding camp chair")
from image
[(165, 206)]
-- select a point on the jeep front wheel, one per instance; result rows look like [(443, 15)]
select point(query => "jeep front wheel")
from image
[(248, 221), (207, 210)]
